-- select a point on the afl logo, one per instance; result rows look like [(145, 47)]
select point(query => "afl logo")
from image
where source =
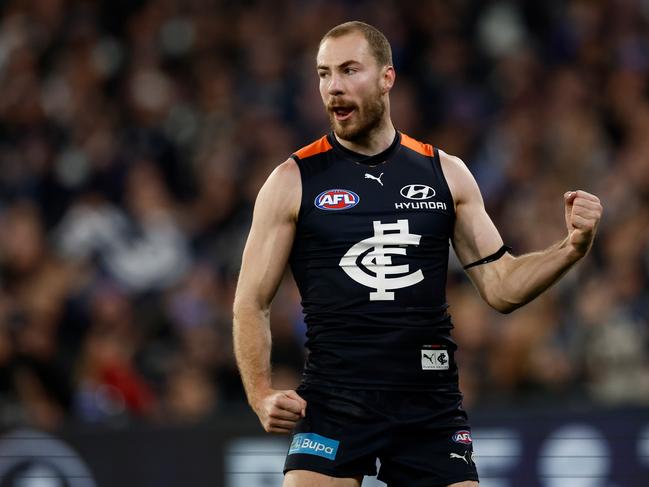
[(336, 199), (417, 192), (463, 437)]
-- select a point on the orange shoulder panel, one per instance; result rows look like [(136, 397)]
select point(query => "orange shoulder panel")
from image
[(317, 147), (410, 143)]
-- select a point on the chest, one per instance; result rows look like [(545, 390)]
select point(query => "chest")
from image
[(347, 201)]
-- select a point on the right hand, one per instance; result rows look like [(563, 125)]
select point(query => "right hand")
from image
[(279, 411)]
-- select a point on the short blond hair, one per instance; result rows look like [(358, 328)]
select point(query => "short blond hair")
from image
[(379, 45)]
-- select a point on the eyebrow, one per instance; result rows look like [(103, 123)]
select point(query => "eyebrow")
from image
[(340, 66)]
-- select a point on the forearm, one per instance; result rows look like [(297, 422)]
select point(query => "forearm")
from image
[(523, 278), (252, 347)]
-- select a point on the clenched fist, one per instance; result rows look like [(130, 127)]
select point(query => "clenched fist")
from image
[(278, 411), (583, 212)]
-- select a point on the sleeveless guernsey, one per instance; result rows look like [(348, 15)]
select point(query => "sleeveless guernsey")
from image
[(370, 259)]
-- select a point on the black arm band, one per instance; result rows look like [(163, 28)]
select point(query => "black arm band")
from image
[(490, 258)]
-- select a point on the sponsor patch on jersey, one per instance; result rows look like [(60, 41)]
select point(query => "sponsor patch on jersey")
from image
[(420, 205), (314, 444), (417, 192), (434, 359), (462, 436), (336, 199)]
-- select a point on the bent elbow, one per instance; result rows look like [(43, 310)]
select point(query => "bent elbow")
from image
[(503, 306), (499, 297)]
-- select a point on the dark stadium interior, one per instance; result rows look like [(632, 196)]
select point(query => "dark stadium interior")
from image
[(134, 136)]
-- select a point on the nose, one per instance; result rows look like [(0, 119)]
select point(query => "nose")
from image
[(335, 85)]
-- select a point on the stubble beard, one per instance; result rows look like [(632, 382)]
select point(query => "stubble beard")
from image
[(369, 117)]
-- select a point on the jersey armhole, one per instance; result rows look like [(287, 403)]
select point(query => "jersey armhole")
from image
[(439, 172), (300, 211)]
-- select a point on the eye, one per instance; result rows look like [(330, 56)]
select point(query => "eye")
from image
[(349, 71), (322, 74)]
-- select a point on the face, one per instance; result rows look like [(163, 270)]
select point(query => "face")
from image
[(353, 86)]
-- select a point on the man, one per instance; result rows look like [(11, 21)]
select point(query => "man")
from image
[(365, 216)]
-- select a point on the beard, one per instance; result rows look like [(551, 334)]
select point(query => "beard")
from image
[(366, 118)]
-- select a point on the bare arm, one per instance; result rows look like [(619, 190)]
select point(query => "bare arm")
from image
[(511, 282), (264, 261)]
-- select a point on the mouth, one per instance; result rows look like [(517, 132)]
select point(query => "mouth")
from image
[(342, 113)]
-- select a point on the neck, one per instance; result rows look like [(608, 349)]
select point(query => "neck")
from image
[(373, 143)]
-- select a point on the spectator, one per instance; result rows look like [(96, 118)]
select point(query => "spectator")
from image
[(134, 136)]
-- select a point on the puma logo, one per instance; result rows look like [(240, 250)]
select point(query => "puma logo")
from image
[(461, 457), (441, 358), (369, 176)]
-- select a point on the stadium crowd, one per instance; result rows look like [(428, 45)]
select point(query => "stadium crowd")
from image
[(134, 136)]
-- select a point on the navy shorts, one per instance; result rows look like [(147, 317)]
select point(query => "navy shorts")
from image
[(422, 439)]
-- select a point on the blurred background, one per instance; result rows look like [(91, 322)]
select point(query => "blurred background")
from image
[(134, 136)]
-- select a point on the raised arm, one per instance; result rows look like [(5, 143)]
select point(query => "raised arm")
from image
[(264, 261), (510, 282)]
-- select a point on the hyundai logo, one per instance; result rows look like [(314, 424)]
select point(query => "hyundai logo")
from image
[(417, 192)]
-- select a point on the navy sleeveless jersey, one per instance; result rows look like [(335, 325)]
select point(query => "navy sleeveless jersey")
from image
[(370, 259)]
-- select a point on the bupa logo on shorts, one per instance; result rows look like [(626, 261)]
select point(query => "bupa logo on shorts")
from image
[(313, 444), (336, 199), (463, 437)]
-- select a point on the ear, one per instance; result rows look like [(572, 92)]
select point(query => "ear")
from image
[(387, 79)]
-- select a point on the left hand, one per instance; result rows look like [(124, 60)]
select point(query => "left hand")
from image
[(583, 212)]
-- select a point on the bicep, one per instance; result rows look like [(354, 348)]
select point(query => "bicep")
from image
[(475, 236), (270, 239)]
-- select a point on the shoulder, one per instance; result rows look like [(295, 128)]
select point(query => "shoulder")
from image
[(460, 181), (282, 191), (284, 178), (313, 149), (453, 164), (287, 173)]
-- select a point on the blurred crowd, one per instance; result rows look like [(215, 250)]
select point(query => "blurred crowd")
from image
[(134, 136)]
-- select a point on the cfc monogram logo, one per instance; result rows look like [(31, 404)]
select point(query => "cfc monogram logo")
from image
[(376, 266)]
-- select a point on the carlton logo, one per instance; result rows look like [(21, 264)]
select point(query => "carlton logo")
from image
[(463, 437), (336, 199), (417, 192)]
